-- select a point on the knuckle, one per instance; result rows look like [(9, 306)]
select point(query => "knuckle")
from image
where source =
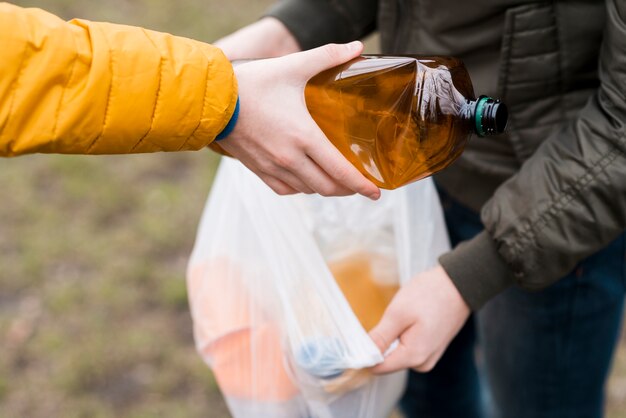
[(343, 175), (341, 172), (396, 312), (329, 190), (275, 188), (283, 191), (301, 138), (425, 367), (285, 161), (278, 187), (418, 359), (266, 167), (379, 339), (333, 52)]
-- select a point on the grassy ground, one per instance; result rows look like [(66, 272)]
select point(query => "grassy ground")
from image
[(93, 311)]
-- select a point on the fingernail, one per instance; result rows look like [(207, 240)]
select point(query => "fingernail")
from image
[(375, 196)]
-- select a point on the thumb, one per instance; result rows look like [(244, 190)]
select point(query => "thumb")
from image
[(328, 56), (387, 331)]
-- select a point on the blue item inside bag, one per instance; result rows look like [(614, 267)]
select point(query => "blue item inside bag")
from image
[(321, 357)]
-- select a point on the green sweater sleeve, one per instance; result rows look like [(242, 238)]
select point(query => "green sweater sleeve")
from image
[(318, 22)]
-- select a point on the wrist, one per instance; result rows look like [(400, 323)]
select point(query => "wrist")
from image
[(453, 295), (477, 270)]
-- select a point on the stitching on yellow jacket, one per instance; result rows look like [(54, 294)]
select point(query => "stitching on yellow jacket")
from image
[(60, 101)]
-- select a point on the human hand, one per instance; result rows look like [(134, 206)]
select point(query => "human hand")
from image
[(277, 138), (425, 315), (265, 38)]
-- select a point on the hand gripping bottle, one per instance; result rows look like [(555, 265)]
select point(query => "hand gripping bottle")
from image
[(400, 119)]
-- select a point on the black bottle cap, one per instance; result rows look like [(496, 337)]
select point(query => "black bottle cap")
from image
[(490, 116)]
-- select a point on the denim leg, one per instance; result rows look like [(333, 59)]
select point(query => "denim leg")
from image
[(451, 389), (543, 354), (547, 354)]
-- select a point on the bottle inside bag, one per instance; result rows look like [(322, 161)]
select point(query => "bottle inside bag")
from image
[(400, 119), (367, 287), (369, 282)]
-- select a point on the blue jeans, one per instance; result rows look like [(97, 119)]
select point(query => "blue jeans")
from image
[(526, 354)]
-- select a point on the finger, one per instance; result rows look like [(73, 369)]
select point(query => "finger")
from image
[(320, 182), (398, 359), (302, 173), (338, 167), (276, 182), (319, 59), (293, 180), (429, 363), (388, 330), (283, 170), (279, 186)]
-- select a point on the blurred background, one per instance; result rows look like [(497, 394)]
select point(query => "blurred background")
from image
[(94, 319)]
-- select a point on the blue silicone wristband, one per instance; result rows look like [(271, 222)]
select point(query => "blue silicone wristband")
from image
[(231, 123)]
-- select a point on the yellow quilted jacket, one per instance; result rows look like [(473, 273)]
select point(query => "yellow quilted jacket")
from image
[(81, 87)]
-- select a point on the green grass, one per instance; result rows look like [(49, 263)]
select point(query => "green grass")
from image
[(93, 312)]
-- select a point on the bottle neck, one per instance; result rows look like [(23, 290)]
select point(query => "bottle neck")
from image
[(487, 116)]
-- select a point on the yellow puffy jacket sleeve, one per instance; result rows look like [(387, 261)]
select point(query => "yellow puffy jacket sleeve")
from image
[(81, 87)]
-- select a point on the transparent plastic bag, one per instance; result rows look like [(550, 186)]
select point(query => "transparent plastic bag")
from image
[(284, 289)]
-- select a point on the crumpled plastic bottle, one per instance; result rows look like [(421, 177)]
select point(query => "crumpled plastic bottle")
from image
[(401, 118)]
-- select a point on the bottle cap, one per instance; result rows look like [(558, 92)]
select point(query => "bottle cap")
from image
[(490, 116)]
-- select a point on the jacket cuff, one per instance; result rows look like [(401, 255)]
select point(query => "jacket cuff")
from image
[(477, 270), (230, 127), (312, 23)]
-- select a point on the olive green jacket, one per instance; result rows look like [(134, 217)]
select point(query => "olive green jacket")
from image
[(553, 190)]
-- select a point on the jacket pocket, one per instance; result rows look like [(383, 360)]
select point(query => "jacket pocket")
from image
[(530, 54), (530, 78)]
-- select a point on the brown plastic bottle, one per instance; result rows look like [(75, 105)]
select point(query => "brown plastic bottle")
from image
[(402, 118)]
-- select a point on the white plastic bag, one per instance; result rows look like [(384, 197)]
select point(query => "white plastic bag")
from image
[(282, 290)]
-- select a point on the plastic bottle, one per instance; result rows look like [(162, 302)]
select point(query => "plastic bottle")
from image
[(402, 118)]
